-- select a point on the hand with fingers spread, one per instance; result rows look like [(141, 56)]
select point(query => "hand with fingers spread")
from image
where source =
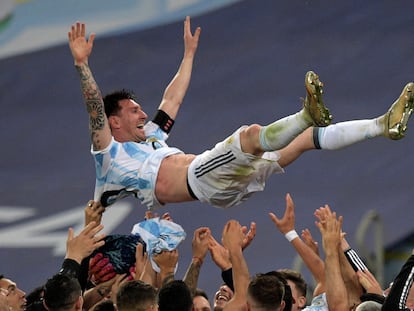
[(80, 47), (305, 248), (81, 246), (287, 222)]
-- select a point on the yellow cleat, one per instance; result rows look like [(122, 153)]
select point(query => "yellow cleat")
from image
[(396, 118), (313, 102)]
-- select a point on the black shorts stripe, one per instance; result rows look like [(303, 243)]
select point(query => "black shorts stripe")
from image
[(214, 163)]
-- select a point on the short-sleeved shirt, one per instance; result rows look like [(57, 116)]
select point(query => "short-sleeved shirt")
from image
[(131, 168)]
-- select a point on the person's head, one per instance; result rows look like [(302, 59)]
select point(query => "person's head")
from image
[(136, 295), (175, 296), (298, 287), (222, 297), (200, 301), (266, 293), (369, 306), (16, 298), (62, 293), (125, 116)]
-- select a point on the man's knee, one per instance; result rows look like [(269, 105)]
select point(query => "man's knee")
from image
[(252, 131), (249, 139)]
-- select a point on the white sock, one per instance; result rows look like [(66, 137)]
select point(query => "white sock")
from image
[(343, 134)]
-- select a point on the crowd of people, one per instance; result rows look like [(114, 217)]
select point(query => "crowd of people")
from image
[(130, 273), (89, 279)]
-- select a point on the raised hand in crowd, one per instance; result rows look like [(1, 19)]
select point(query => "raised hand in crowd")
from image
[(286, 226), (81, 246), (331, 228), (93, 212), (232, 239), (167, 262), (200, 244)]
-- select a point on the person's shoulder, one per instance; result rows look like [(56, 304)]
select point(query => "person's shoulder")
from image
[(318, 303)]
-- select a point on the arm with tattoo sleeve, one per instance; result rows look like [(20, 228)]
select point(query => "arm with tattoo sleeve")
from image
[(98, 123)]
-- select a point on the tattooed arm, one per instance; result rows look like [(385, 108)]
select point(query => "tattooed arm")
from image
[(199, 250), (98, 123)]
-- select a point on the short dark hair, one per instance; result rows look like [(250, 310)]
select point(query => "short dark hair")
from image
[(175, 296), (111, 101), (134, 295), (61, 292), (200, 292), (267, 291), (295, 277)]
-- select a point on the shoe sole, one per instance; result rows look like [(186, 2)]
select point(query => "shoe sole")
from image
[(314, 90), (398, 130)]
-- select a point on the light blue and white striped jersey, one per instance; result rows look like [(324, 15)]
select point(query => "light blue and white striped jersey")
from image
[(131, 168)]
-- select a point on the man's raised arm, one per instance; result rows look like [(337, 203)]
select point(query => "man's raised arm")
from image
[(177, 88), (81, 48)]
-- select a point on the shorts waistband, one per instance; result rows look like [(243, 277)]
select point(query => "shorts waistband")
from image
[(190, 191)]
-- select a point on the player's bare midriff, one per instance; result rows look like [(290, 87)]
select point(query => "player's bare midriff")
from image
[(171, 185)]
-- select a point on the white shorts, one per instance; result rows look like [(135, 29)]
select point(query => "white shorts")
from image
[(226, 176)]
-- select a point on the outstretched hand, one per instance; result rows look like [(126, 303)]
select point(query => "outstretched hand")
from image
[(330, 227), (190, 40), (79, 46), (219, 254), (287, 222), (81, 246)]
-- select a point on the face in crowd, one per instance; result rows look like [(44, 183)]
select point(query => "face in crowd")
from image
[(222, 297), (16, 298)]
